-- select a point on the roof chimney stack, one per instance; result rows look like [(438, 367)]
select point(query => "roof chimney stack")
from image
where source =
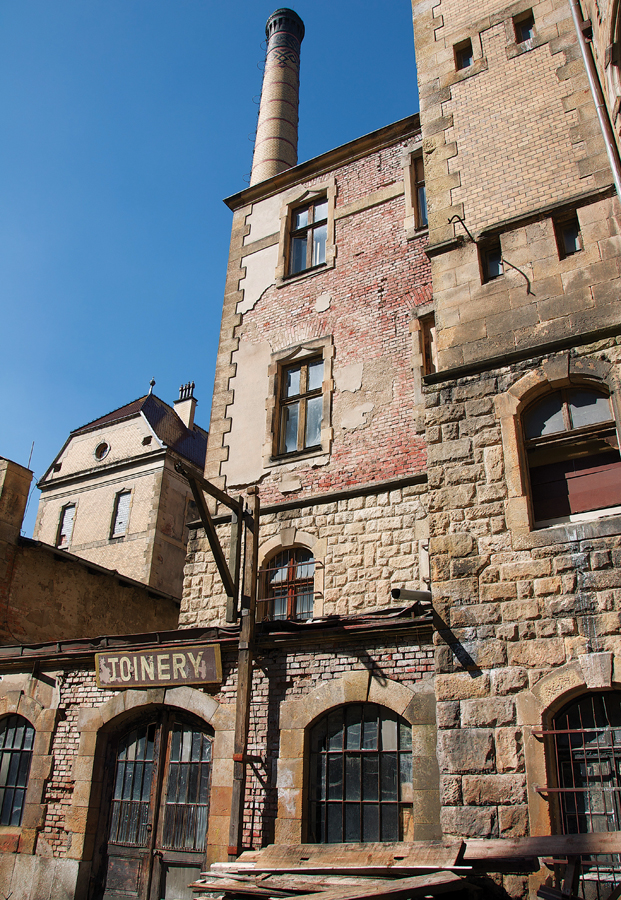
[(276, 144), (186, 404)]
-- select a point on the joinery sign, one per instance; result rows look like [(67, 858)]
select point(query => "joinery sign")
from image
[(160, 667)]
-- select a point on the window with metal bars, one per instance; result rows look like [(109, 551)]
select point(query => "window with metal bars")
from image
[(585, 740), (573, 454), (16, 740), (186, 753), (288, 586), (308, 236), (360, 785)]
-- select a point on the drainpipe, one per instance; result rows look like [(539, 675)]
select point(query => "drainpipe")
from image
[(598, 97)]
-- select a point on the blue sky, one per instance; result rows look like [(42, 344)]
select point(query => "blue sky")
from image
[(124, 123)]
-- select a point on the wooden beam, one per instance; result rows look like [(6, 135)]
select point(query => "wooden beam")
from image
[(234, 561), (212, 537), (208, 487), (396, 889), (546, 845), (244, 673)]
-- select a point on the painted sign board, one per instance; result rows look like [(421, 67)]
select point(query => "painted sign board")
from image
[(159, 667)]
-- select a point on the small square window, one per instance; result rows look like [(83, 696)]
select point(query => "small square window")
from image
[(491, 261), (463, 55), (524, 27), (308, 236), (301, 406), (568, 237)]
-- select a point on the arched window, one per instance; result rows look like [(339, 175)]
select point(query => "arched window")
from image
[(573, 454), (587, 744), (360, 786), (16, 740), (288, 586)]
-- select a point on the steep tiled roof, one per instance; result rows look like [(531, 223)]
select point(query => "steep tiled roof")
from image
[(191, 444)]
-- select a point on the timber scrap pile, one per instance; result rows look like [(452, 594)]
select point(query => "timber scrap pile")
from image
[(403, 871)]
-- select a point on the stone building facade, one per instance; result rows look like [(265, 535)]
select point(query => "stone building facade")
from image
[(112, 495), (425, 395)]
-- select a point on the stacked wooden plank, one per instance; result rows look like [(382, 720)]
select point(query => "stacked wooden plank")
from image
[(391, 871)]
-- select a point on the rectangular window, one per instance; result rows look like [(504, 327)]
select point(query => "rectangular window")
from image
[(463, 55), (524, 27), (65, 528), (568, 237), (121, 514), (491, 261), (420, 194), (301, 406), (428, 343), (308, 236)]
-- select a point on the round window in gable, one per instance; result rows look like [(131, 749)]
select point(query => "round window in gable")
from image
[(102, 450)]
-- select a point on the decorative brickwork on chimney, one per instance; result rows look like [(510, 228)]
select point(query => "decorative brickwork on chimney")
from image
[(276, 145)]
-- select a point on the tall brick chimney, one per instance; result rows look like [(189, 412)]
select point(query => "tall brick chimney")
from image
[(276, 144)]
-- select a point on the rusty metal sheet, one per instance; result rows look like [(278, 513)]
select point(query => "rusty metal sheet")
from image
[(195, 664)]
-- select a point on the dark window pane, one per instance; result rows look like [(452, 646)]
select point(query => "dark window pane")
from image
[(334, 823), (352, 777), (352, 823), (370, 777), (335, 777), (370, 822), (546, 417), (388, 785), (422, 206)]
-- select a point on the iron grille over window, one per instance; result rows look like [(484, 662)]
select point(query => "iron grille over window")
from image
[(16, 740), (586, 742), (573, 454), (187, 792), (360, 776), (289, 586), (309, 233), (301, 406)]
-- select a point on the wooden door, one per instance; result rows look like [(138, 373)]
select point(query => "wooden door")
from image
[(156, 828)]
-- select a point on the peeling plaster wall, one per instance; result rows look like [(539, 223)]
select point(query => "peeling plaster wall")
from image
[(245, 441)]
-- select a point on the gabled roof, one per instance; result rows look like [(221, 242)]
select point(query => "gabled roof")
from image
[(191, 444)]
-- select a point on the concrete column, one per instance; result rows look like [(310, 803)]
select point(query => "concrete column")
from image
[(276, 144)]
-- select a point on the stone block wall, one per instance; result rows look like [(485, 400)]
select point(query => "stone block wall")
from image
[(514, 604), (364, 544)]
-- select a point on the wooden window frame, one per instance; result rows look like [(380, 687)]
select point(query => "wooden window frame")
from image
[(295, 200), (518, 21), (301, 401), (307, 232), (492, 246), (560, 226), (295, 587), (563, 446), (459, 50)]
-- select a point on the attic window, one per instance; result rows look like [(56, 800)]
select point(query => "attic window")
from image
[(101, 451), (146, 440), (57, 467)]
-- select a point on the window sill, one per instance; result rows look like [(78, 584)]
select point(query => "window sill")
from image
[(307, 273), (581, 527), (284, 458)]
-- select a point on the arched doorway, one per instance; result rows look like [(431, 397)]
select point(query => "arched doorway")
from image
[(153, 822)]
